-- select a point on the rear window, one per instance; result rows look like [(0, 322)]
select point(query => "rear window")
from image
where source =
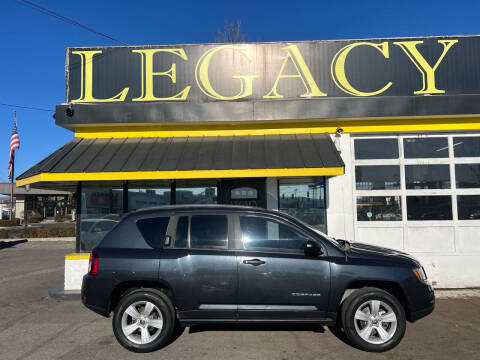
[(153, 230), (209, 231)]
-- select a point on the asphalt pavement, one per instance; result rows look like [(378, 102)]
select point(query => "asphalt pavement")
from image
[(33, 326)]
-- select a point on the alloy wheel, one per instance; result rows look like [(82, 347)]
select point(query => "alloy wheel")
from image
[(142, 322), (375, 321)]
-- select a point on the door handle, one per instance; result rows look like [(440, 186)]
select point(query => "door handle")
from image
[(254, 262)]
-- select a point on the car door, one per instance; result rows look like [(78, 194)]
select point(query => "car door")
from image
[(201, 267), (276, 280)]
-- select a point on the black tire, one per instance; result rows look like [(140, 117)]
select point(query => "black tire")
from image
[(163, 304), (354, 302)]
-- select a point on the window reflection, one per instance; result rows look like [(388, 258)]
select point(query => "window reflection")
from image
[(146, 197), (427, 176), (196, 195), (467, 175), (377, 177), (434, 147), (305, 202), (467, 146), (429, 207), (468, 207), (379, 208), (376, 149), (262, 234), (101, 210)]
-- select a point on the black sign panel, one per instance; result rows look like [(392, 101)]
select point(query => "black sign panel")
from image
[(313, 80), (274, 71)]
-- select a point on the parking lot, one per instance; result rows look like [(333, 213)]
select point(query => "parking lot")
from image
[(33, 326)]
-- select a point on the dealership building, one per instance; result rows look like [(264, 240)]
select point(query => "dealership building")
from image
[(374, 141)]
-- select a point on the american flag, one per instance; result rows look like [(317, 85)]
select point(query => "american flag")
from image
[(14, 145)]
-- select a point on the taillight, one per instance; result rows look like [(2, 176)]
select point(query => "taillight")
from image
[(93, 263)]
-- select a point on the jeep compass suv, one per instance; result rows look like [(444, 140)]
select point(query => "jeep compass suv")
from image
[(174, 266)]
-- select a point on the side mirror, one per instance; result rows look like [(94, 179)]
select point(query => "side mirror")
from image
[(312, 249)]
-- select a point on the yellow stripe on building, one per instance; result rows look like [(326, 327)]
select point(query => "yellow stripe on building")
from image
[(381, 125), (190, 174)]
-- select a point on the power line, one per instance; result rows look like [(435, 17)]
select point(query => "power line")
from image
[(58, 16), (26, 107)]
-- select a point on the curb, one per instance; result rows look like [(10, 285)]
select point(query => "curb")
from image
[(69, 238), (59, 294), (457, 293)]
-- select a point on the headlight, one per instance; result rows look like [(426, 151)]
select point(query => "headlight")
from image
[(420, 274)]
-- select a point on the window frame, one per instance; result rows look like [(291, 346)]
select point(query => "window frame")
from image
[(305, 181), (376, 165), (451, 161), (175, 217), (169, 222), (279, 220)]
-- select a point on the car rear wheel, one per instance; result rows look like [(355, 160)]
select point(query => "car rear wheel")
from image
[(373, 320), (144, 320)]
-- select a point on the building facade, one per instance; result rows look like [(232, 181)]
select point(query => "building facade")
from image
[(374, 141), (40, 204)]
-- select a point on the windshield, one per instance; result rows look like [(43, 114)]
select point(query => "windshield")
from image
[(322, 234), (329, 238)]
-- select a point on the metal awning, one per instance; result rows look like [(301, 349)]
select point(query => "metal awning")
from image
[(154, 158)]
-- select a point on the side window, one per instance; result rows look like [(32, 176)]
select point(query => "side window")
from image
[(181, 235), (209, 231), (263, 234), (153, 230)]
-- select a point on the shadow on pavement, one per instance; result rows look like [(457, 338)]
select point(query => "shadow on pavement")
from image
[(8, 244), (339, 334), (257, 327), (177, 332)]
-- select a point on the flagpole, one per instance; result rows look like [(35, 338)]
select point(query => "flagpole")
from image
[(12, 173)]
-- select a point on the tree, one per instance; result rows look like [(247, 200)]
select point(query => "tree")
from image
[(231, 33)]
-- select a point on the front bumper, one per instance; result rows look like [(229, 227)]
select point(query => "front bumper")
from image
[(426, 310), (422, 313)]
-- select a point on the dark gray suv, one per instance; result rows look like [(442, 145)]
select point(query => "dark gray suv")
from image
[(175, 266)]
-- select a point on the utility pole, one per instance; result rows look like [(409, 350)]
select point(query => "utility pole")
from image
[(13, 172)]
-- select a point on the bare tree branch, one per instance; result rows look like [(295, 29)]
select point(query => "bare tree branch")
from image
[(231, 33)]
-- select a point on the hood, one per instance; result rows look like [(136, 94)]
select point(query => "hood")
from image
[(367, 249)]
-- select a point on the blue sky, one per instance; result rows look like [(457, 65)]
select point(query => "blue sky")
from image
[(33, 44)]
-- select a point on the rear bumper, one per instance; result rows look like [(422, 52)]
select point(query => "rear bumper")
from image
[(92, 296)]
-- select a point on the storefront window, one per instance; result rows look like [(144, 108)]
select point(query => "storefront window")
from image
[(196, 194), (425, 187), (468, 207), (305, 202), (429, 207), (468, 146), (467, 175), (141, 196), (429, 147), (101, 210), (379, 208), (427, 176), (377, 177), (376, 149)]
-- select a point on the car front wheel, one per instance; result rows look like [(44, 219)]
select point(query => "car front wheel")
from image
[(144, 320), (373, 320)]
